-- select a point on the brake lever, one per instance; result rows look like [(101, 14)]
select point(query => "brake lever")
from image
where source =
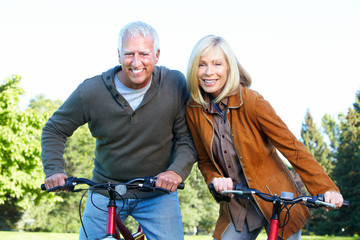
[(149, 185), (69, 185), (161, 189)]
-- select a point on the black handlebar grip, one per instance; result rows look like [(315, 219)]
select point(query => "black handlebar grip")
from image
[(218, 196), (181, 186), (43, 187)]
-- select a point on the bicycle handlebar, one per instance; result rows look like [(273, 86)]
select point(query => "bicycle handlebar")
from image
[(285, 197), (143, 184)]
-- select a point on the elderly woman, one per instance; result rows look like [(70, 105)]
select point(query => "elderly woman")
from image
[(236, 133)]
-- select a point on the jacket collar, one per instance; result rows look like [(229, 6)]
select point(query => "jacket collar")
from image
[(236, 100)]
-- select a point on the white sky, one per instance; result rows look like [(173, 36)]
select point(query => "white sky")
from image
[(300, 54)]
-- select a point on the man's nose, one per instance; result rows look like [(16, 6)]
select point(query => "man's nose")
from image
[(136, 60)]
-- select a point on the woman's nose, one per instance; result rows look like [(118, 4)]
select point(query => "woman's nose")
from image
[(209, 70)]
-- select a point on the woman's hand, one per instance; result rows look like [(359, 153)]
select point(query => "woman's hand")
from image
[(222, 184), (334, 197)]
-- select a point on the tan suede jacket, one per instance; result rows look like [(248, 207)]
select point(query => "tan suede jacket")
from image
[(257, 132)]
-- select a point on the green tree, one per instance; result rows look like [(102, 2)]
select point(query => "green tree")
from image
[(347, 171), (331, 129), (313, 139), (20, 164), (42, 105), (199, 210), (62, 214), (345, 145)]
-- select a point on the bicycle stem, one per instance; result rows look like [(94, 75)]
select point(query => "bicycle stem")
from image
[(113, 221), (275, 220)]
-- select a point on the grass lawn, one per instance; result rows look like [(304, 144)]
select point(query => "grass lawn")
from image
[(74, 236)]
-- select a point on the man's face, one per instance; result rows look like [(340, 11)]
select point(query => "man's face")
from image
[(138, 61)]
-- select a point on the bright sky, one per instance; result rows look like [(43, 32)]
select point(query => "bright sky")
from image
[(300, 54)]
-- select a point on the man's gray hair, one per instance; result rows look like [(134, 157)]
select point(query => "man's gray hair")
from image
[(134, 29)]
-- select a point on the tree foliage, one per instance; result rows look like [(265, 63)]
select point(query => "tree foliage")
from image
[(313, 139), (347, 171), (199, 209), (44, 106), (345, 154), (331, 129), (20, 164), (62, 213)]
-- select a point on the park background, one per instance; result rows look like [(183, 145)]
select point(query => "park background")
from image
[(303, 56)]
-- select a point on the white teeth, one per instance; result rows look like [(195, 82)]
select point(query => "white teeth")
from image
[(209, 81), (136, 71)]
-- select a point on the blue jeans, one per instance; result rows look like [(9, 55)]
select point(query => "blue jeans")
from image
[(160, 217), (231, 233)]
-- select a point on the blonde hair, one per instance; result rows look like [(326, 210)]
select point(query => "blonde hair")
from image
[(236, 73)]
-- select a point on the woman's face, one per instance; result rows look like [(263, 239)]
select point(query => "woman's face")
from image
[(213, 71)]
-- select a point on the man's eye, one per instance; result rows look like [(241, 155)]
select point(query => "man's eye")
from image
[(144, 54)]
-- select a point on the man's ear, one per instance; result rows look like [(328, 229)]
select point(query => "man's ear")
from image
[(119, 56), (157, 56)]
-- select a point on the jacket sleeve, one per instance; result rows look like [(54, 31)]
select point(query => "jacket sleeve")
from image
[(59, 127), (184, 154), (310, 171)]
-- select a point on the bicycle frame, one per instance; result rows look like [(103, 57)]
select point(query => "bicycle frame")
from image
[(278, 202), (277, 208), (275, 221), (114, 223)]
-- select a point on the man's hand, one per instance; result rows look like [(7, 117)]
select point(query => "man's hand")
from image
[(57, 179), (168, 180), (334, 197)]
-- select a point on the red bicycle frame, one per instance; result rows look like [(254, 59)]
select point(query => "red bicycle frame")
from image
[(275, 221), (114, 226), (114, 223), (285, 199)]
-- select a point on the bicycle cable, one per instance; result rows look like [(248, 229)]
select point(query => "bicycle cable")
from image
[(81, 221)]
